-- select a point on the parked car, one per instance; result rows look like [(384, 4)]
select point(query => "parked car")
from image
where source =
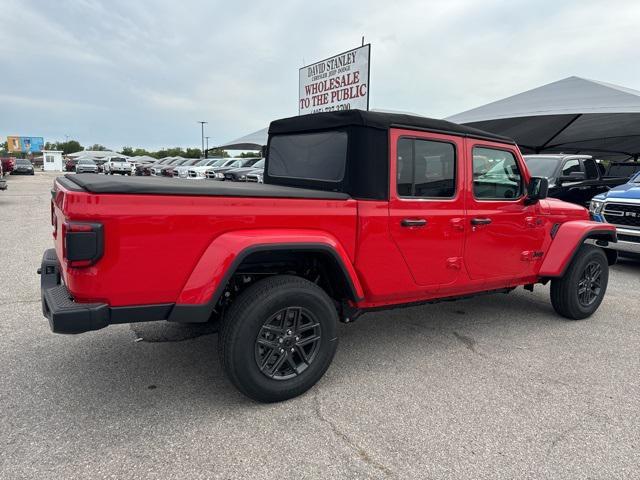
[(572, 178), (620, 206), (3, 181), (23, 167), (240, 174), (168, 171), (158, 168), (100, 163), (119, 165), (200, 171), (86, 165), (182, 171), (70, 164), (623, 169), (360, 211), (217, 172), (8, 164), (143, 167), (256, 176)]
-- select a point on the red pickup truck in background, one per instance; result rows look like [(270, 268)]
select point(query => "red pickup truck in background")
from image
[(8, 164), (359, 211)]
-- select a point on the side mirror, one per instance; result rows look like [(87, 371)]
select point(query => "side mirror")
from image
[(537, 189), (573, 177)]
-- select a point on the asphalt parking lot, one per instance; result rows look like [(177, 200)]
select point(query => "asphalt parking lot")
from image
[(493, 387)]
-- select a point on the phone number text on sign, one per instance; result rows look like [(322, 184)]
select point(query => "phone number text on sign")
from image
[(337, 83)]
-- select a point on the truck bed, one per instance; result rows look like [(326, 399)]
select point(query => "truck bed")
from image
[(93, 183)]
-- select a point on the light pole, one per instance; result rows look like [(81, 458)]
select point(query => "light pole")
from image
[(202, 129), (207, 149)]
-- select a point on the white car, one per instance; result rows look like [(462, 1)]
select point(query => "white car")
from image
[(182, 171), (119, 165), (86, 165), (199, 172)]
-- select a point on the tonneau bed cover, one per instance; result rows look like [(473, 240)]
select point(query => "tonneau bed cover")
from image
[(93, 183)]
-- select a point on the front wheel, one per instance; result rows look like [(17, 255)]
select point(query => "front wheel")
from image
[(278, 338), (579, 293)]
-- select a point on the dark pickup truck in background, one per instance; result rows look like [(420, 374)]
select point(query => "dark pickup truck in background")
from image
[(574, 178)]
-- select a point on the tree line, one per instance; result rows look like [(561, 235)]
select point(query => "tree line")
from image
[(73, 146)]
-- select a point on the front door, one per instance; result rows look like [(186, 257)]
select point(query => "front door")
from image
[(505, 235), (426, 204)]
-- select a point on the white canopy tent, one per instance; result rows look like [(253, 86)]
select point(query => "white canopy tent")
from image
[(96, 154), (573, 115), (253, 141)]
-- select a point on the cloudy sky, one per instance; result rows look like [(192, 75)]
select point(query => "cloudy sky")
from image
[(141, 73)]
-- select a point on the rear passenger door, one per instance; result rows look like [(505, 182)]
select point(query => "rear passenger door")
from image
[(426, 204)]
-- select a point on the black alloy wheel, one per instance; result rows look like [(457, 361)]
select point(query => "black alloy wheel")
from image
[(278, 338), (589, 285), (580, 291), (287, 343)]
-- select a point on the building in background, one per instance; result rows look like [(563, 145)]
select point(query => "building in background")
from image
[(52, 160)]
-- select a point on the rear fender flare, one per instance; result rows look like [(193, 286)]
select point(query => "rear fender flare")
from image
[(220, 260), (568, 239)]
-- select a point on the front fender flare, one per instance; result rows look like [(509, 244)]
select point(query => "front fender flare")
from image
[(206, 283), (568, 239)]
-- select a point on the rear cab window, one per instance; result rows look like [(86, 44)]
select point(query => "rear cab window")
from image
[(318, 156)]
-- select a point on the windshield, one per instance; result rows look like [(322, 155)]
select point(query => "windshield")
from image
[(217, 163), (118, 159), (259, 164), (542, 166), (249, 161), (635, 179), (86, 162), (22, 161)]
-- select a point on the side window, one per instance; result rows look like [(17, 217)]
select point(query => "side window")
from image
[(496, 175), (591, 168), (571, 166), (426, 169)]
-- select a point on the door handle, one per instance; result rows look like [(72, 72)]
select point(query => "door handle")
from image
[(480, 221), (413, 222)]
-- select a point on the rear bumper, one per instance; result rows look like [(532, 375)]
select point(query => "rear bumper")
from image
[(68, 316), (65, 315)]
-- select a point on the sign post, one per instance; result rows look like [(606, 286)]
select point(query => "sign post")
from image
[(340, 82)]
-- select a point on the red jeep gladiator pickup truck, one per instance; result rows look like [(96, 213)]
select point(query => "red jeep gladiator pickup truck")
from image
[(359, 211)]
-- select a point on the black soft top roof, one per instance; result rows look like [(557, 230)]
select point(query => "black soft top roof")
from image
[(377, 120), (94, 183)]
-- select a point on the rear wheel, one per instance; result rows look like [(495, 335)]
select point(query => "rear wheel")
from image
[(278, 338), (579, 293)]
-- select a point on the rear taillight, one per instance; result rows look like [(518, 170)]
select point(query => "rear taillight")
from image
[(83, 243)]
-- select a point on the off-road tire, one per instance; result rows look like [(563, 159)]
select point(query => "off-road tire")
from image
[(245, 320), (564, 290)]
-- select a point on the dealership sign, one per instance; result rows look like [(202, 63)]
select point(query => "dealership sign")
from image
[(340, 82), (25, 144)]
